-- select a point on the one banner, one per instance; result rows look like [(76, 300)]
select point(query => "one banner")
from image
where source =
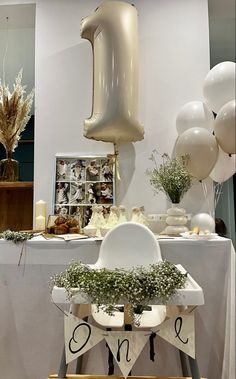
[(79, 337), (179, 331), (126, 347)]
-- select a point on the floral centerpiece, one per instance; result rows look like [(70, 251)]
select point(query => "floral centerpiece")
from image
[(14, 115), (170, 177), (106, 288), (173, 178)]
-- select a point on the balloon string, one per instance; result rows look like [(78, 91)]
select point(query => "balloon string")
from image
[(204, 187), (117, 167), (218, 192), (22, 255), (65, 313)]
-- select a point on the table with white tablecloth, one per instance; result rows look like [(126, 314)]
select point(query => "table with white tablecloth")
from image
[(31, 327)]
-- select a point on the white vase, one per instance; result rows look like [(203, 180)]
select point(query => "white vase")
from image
[(176, 220)]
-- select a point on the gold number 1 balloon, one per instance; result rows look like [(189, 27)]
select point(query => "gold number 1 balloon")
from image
[(113, 33)]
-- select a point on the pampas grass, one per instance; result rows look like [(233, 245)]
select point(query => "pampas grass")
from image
[(14, 113)]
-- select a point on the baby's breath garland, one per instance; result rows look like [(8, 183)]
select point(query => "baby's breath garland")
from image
[(106, 288), (16, 237), (170, 177)]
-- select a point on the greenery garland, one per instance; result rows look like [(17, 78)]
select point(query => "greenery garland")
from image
[(137, 286), (16, 237)]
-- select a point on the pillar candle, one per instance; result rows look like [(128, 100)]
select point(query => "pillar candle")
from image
[(40, 223), (40, 208)]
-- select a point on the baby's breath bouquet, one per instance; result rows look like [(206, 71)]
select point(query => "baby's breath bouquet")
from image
[(14, 115), (106, 288), (171, 176), (16, 237)]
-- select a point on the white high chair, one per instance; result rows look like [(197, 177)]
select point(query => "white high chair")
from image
[(126, 246)]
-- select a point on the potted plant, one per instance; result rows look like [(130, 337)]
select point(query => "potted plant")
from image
[(171, 177), (14, 115)]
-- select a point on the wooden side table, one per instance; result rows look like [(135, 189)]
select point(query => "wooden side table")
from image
[(16, 205)]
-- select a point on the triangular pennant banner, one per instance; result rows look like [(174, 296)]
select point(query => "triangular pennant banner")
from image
[(80, 336), (179, 331), (126, 347)]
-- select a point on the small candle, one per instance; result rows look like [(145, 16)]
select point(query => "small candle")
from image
[(40, 208), (40, 223)]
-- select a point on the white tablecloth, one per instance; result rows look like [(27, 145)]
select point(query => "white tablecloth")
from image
[(31, 327)]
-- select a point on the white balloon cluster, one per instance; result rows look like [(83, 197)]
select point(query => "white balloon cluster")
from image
[(208, 142)]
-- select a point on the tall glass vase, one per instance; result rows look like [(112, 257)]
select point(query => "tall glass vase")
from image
[(176, 220), (9, 168)]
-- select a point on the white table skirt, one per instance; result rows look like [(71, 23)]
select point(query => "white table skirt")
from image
[(31, 327)]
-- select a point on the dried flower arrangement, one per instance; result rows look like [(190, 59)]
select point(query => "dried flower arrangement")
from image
[(14, 115), (171, 176), (137, 286)]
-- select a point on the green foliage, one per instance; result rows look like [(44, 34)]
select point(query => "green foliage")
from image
[(106, 288), (170, 177), (16, 237)]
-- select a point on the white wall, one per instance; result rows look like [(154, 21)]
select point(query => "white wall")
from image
[(174, 59), (20, 45)]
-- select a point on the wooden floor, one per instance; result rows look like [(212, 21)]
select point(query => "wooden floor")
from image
[(117, 377)]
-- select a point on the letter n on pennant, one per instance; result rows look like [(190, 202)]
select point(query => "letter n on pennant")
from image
[(126, 347)]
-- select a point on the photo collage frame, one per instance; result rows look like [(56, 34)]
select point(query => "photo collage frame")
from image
[(82, 182)]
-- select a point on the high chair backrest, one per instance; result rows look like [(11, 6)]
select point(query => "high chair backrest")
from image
[(128, 245)]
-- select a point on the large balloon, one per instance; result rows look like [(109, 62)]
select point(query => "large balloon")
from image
[(219, 85), (194, 114), (113, 33), (225, 127), (224, 168), (202, 150)]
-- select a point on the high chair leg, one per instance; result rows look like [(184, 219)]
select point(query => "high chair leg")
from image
[(79, 365), (194, 368), (184, 363), (63, 366)]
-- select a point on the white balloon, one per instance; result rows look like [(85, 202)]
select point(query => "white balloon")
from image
[(194, 114), (219, 85), (224, 168), (113, 32), (203, 221), (225, 126), (202, 150)]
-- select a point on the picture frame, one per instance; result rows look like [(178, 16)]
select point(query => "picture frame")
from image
[(80, 182)]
